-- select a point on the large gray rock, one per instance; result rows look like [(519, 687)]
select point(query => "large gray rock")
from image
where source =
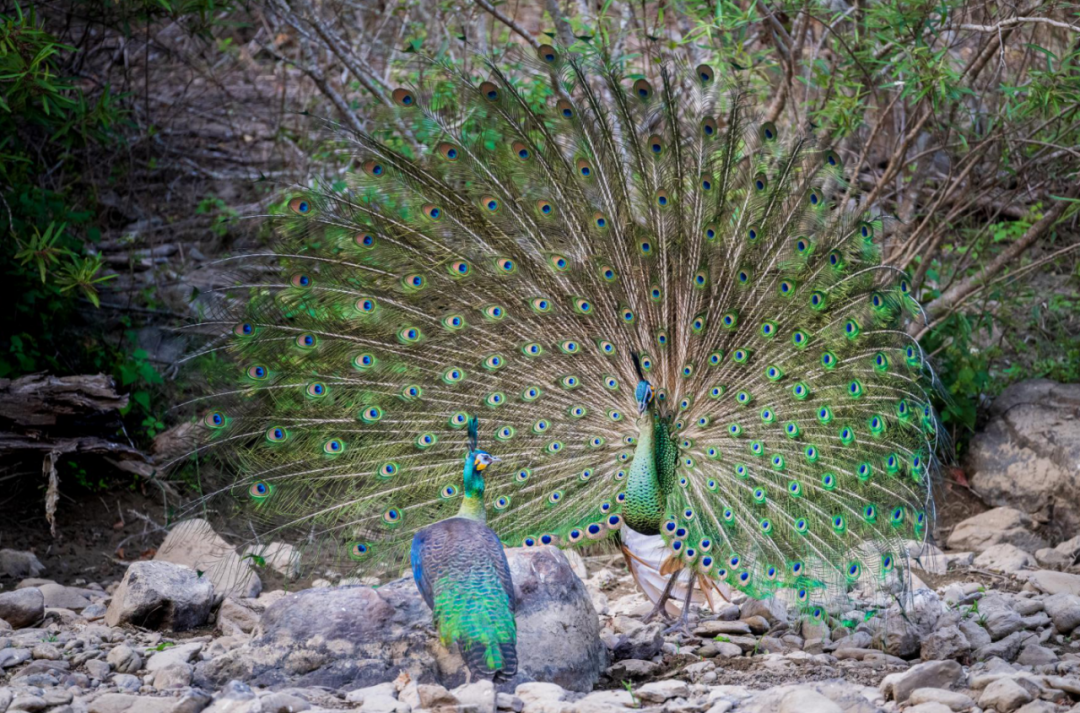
[(193, 543), (22, 607), (1002, 525), (161, 595), (19, 565), (932, 674), (353, 637), (1028, 456)]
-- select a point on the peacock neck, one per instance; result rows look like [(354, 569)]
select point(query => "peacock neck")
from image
[(472, 505), (644, 509)]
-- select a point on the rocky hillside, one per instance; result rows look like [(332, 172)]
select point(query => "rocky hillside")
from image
[(993, 623)]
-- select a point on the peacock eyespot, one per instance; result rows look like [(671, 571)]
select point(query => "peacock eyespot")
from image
[(300, 206), (642, 89), (489, 91), (403, 97), (547, 53)]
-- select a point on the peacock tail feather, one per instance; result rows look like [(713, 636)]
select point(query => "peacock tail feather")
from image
[(504, 247)]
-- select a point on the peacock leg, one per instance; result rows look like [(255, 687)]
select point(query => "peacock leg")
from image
[(659, 609), (681, 626)]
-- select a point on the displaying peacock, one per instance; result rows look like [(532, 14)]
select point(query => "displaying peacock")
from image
[(461, 571), (671, 318)]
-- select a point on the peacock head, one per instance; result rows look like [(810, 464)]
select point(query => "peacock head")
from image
[(644, 396), (644, 392), (482, 459)]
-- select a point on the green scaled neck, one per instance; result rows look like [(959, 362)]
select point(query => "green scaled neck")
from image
[(472, 505), (644, 510)]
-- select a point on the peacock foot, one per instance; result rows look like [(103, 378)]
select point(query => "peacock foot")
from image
[(682, 626)]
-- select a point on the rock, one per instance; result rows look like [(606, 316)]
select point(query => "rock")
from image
[(1026, 455), (45, 651), (1004, 695), (1003, 525), (231, 697), (426, 695), (175, 676), (539, 691), (13, 657), (975, 634), (1034, 655), (932, 674), (1051, 558), (774, 610), (632, 669), (1004, 557), (29, 703), (22, 607), (509, 702), (193, 543), (235, 617), (715, 627), (643, 642), (904, 629), (19, 565), (356, 636), (1006, 649), (951, 699), (125, 703), (807, 701), (478, 694), (1055, 582), (172, 655), (124, 659), (281, 557), (660, 691), (946, 642), (1064, 611), (98, 669), (58, 596), (999, 623), (931, 707), (161, 595)]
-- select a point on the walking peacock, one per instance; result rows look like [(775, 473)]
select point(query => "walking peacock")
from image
[(671, 318), (461, 571)]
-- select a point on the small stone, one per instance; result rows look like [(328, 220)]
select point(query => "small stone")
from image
[(281, 702), (539, 691), (23, 607), (999, 623), (424, 695), (98, 669), (19, 565), (194, 544), (931, 707), (13, 657), (235, 618), (46, 651), (57, 596), (126, 682), (1004, 557), (172, 655), (630, 669), (717, 627), (1035, 655), (1052, 559), (124, 659), (509, 702), (807, 701), (947, 642), (758, 624), (660, 691), (175, 676), (1004, 695), (1064, 611), (774, 610), (29, 703), (478, 694), (644, 643), (932, 674), (952, 699), (993, 527), (1005, 649), (125, 703), (161, 595)]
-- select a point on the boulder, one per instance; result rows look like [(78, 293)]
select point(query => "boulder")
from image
[(193, 543), (19, 565), (932, 674), (1002, 525), (281, 557), (1050, 582), (22, 607), (1028, 456), (161, 595), (355, 637)]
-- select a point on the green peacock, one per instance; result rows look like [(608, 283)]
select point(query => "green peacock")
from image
[(461, 571), (670, 317)]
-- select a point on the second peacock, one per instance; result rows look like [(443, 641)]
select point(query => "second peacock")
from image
[(669, 316)]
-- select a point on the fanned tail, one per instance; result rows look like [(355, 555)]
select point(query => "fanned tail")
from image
[(548, 229)]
